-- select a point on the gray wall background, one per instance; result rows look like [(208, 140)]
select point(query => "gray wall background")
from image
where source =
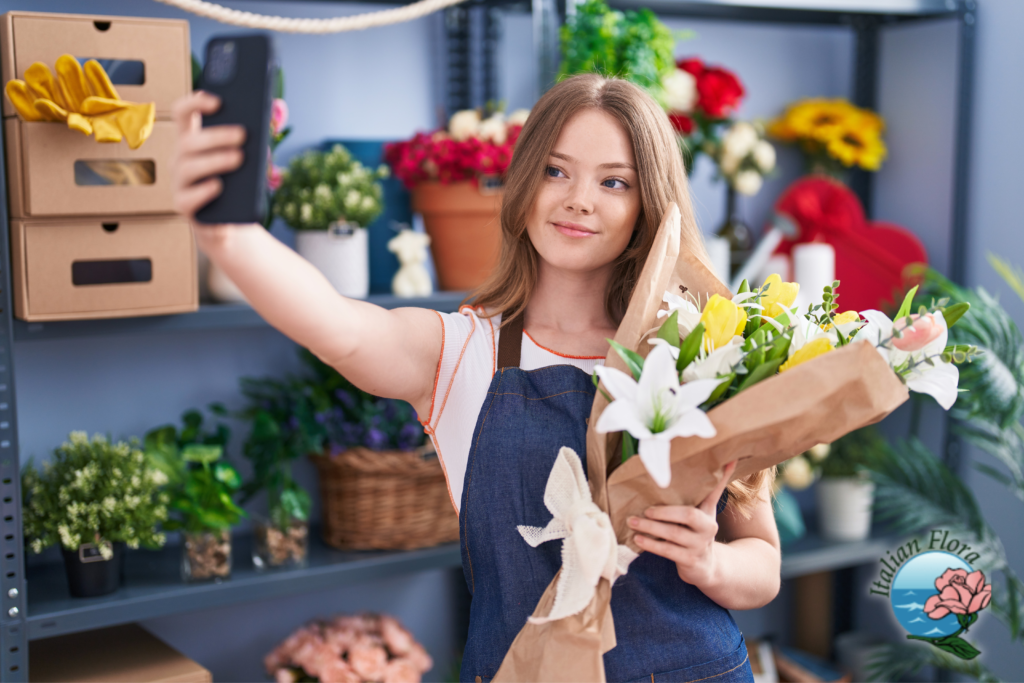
[(385, 83)]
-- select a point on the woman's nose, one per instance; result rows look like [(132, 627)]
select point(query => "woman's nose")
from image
[(578, 198)]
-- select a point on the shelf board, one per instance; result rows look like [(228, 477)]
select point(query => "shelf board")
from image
[(208, 317), (153, 586), (795, 11), (812, 554)]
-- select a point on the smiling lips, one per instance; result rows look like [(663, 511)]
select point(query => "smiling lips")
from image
[(573, 229)]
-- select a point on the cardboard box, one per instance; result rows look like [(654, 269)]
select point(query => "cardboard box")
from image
[(55, 171), (108, 267), (161, 45), (121, 653)]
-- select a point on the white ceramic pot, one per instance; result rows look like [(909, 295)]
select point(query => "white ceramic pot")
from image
[(844, 508), (342, 254), (222, 288)]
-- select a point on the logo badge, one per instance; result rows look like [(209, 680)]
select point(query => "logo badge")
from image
[(936, 597)]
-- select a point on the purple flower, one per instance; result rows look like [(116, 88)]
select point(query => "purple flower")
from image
[(345, 398), (389, 410), (320, 418), (293, 422), (410, 436), (375, 439)]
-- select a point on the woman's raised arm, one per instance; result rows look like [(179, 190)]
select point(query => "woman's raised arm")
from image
[(388, 353)]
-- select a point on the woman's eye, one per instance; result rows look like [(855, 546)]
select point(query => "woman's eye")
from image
[(621, 184), (553, 172)]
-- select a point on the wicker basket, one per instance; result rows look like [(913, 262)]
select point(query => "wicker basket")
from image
[(385, 500)]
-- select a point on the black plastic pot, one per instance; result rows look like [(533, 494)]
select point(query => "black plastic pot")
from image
[(89, 575)]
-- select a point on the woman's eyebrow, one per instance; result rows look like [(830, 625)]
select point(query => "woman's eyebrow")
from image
[(611, 164)]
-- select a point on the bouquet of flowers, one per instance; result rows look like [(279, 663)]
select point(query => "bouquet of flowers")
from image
[(350, 649), (469, 148), (774, 381), (833, 135)]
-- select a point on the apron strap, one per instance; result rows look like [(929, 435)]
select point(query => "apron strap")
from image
[(510, 343)]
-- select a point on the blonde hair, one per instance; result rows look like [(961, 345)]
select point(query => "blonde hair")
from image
[(662, 181)]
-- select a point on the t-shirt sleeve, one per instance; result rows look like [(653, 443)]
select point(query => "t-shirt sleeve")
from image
[(464, 371)]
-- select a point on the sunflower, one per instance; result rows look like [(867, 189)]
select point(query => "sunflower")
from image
[(858, 145), (820, 119)]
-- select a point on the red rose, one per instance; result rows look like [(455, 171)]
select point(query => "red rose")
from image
[(682, 123), (693, 66), (719, 92)]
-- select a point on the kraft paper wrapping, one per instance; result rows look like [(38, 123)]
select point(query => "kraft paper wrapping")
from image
[(780, 417)]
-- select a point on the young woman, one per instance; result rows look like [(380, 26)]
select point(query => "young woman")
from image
[(502, 385)]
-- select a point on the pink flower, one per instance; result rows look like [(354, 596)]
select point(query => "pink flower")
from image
[(402, 671), (338, 671), (419, 658), (278, 116), (284, 676), (959, 593), (275, 176), (398, 640), (922, 331), (368, 660)]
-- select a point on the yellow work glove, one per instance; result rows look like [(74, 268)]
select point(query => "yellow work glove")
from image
[(85, 99)]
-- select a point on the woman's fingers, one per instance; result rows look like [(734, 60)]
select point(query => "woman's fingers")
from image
[(675, 532), (709, 504), (669, 551), (207, 139), (186, 110), (190, 170), (190, 199)]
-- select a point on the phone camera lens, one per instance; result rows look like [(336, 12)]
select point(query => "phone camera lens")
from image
[(220, 68)]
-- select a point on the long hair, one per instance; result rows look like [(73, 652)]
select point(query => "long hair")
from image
[(662, 181)]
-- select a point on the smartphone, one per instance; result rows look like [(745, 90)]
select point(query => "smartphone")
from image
[(240, 70)]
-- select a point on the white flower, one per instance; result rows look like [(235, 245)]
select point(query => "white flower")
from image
[(729, 164), (518, 117), (494, 129), (797, 473), (764, 156), (718, 363), (680, 90), (158, 477), (739, 140), (306, 212), (656, 409), (685, 309), (464, 124), (928, 374), (747, 182), (819, 452)]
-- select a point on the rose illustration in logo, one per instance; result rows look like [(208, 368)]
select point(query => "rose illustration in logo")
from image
[(955, 594)]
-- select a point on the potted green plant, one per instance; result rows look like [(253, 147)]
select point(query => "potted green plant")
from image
[(94, 497), (274, 443), (329, 198), (201, 486), (845, 493)]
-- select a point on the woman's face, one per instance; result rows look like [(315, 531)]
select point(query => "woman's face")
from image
[(589, 200)]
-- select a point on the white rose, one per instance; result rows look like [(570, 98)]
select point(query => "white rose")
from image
[(680, 90), (518, 117), (739, 140), (464, 124), (819, 452), (764, 156), (494, 129), (729, 164), (797, 474), (747, 182)]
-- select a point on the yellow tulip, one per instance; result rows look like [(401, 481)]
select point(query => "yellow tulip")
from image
[(722, 321), (843, 318), (811, 349), (777, 295)]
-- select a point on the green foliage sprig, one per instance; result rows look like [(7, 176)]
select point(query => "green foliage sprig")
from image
[(201, 485), (94, 491), (853, 454), (634, 45), (320, 188)]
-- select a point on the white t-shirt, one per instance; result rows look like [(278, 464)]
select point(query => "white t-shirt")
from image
[(469, 359)]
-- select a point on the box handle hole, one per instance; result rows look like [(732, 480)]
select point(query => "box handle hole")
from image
[(101, 25), (110, 227)]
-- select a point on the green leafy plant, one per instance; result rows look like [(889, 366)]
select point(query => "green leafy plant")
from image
[(320, 188), (915, 490), (634, 45), (200, 483), (94, 491), (852, 454)]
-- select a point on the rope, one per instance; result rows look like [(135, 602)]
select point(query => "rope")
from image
[(356, 22)]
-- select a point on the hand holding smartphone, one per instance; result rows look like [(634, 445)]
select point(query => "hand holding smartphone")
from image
[(240, 71)]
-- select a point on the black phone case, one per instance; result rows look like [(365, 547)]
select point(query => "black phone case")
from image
[(245, 100)]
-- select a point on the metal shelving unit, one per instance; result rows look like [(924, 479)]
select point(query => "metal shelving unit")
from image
[(154, 587)]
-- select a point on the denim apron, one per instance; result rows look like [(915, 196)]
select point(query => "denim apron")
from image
[(666, 629)]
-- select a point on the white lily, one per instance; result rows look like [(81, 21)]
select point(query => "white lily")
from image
[(927, 374), (688, 314), (656, 409), (718, 363)]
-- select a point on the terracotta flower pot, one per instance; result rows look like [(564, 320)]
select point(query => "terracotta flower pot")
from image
[(464, 229)]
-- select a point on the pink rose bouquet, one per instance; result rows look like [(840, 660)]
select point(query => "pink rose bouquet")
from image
[(350, 649)]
